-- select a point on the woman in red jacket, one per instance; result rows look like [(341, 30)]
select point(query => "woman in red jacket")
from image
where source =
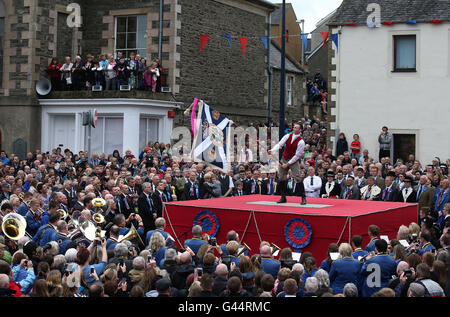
[(54, 73)]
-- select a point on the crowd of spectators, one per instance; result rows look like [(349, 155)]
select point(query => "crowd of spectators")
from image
[(108, 71), (48, 261)]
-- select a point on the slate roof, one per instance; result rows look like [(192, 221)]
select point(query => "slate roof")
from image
[(264, 3), (397, 11), (275, 60)]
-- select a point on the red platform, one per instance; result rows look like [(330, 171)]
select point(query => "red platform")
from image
[(336, 222)]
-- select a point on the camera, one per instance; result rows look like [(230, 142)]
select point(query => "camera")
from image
[(213, 242), (199, 272), (408, 273), (92, 270), (47, 247)]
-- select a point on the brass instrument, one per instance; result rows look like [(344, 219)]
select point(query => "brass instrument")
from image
[(13, 226), (22, 200), (98, 202), (275, 248), (245, 248), (64, 215), (132, 235), (98, 218)]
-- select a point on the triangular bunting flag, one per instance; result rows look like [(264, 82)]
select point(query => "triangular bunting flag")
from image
[(264, 40), (325, 37), (243, 41), (281, 38), (203, 40), (304, 40), (228, 37), (335, 38)]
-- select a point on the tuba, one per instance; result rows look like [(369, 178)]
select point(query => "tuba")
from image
[(13, 226), (64, 215), (98, 218), (132, 235), (245, 248)]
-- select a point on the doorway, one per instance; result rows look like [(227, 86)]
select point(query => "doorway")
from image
[(404, 145)]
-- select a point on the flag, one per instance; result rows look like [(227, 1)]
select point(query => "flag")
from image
[(325, 38), (264, 40), (243, 43), (203, 40), (304, 40), (210, 139), (335, 38), (228, 36)]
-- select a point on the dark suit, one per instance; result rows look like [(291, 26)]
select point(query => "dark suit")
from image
[(270, 186), (410, 199), (253, 186), (352, 194), (336, 191), (390, 194), (146, 210), (191, 191), (294, 188), (126, 205), (157, 200)]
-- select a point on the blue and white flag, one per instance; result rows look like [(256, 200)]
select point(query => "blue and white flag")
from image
[(211, 137)]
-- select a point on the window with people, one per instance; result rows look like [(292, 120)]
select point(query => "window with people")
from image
[(108, 72)]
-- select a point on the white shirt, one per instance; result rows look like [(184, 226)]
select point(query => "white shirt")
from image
[(300, 147), (314, 189)]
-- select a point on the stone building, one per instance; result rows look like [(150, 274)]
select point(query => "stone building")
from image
[(36, 30), (396, 74)]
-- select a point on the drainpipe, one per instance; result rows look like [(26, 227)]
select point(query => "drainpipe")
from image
[(269, 67), (161, 16)]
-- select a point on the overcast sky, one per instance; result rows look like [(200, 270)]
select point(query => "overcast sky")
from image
[(311, 10)]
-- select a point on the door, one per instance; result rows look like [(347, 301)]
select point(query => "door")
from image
[(64, 132), (404, 145)]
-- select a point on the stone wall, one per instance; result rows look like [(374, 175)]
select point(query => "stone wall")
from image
[(297, 109), (233, 83)]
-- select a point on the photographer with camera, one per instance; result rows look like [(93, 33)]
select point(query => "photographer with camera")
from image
[(91, 272), (395, 283), (422, 277)]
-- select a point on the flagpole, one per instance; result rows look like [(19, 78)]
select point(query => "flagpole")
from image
[(283, 70)]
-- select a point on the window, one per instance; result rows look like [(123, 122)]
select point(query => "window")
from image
[(404, 53), (148, 131), (290, 81), (107, 136), (131, 35)]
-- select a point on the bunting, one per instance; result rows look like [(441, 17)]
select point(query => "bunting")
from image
[(228, 36), (264, 40), (203, 39), (304, 40), (243, 41), (325, 37), (335, 38)]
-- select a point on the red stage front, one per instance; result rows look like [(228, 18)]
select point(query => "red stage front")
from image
[(256, 219)]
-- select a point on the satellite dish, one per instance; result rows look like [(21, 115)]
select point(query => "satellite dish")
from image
[(43, 87)]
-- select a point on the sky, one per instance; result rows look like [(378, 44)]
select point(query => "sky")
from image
[(311, 10)]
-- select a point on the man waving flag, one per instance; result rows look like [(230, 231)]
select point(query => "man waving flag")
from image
[(211, 137)]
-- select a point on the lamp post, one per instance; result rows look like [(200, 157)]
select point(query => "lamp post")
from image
[(283, 70)]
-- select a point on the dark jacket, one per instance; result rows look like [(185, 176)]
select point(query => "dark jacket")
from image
[(220, 284), (341, 146), (206, 294), (180, 275)]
